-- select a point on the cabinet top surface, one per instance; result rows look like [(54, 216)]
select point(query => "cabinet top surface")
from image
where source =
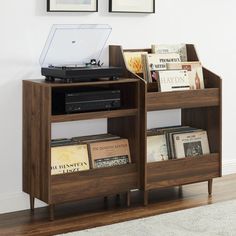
[(89, 83)]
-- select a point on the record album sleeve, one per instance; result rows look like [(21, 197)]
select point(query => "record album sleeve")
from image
[(109, 153), (69, 159), (191, 144)]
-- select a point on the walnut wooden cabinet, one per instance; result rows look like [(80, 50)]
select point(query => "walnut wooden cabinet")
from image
[(37, 120), (199, 108)]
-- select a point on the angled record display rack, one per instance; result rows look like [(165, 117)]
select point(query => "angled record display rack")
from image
[(199, 108)]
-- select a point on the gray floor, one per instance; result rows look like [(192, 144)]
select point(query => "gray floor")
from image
[(212, 220)]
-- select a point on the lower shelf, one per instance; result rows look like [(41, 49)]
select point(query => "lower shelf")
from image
[(182, 171), (93, 183)]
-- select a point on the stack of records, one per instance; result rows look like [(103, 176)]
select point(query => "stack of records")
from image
[(176, 142), (88, 152)]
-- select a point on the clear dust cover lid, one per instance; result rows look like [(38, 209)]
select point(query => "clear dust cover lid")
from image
[(74, 44)]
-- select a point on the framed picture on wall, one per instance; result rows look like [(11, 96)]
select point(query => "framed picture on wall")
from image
[(132, 6), (72, 5)]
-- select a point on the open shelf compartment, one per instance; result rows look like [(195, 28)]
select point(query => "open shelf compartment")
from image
[(103, 181), (210, 96), (176, 172), (128, 101)]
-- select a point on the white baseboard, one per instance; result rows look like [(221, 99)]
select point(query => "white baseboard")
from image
[(11, 202), (229, 167)]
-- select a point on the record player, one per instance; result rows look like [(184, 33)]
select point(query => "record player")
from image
[(72, 54)]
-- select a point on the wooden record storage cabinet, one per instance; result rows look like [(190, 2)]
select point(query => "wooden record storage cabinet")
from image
[(37, 120), (199, 108)]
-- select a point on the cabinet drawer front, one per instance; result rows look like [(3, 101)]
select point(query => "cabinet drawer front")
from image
[(93, 183), (182, 171)]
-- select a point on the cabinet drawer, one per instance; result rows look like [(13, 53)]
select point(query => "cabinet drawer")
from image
[(182, 171), (93, 183)]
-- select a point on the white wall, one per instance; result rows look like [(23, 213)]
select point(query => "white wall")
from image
[(24, 26)]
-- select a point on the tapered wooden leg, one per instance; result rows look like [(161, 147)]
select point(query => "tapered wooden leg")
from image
[(128, 195), (117, 199), (105, 200), (51, 211), (210, 183), (145, 198), (32, 199), (180, 191)]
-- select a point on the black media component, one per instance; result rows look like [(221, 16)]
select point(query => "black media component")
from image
[(81, 74), (68, 102)]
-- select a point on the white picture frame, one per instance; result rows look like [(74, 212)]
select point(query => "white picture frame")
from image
[(72, 5), (132, 6)]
